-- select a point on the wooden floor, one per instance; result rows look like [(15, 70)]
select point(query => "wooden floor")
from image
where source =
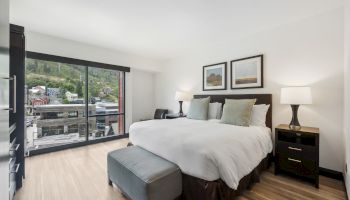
[(80, 174)]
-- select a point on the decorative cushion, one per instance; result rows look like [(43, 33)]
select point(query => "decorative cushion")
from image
[(259, 115), (199, 109), (215, 110), (237, 112)]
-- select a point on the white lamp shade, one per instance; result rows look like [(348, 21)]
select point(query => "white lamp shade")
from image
[(296, 95), (182, 96)]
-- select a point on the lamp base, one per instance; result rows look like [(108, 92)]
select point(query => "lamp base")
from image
[(294, 128), (294, 123), (180, 111)]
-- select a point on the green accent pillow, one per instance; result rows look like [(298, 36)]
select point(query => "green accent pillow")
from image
[(237, 112), (199, 109)]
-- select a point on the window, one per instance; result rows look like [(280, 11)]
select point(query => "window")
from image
[(106, 92), (59, 93)]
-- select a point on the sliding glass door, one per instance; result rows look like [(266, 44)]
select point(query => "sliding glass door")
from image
[(55, 103), (106, 92), (71, 101)]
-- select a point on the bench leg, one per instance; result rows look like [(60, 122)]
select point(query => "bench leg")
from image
[(110, 182)]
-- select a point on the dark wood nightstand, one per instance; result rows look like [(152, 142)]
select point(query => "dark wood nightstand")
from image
[(297, 152), (173, 116)]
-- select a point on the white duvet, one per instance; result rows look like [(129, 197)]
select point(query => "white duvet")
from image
[(205, 149)]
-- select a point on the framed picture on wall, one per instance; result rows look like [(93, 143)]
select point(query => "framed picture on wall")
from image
[(214, 76), (247, 73)]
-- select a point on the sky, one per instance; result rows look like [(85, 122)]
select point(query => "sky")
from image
[(246, 69), (215, 71)]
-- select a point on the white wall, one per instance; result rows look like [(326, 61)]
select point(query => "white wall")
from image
[(308, 52), (142, 68), (143, 95), (347, 94), (61, 47)]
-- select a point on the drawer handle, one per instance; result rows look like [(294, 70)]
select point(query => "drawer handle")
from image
[(14, 79), (15, 148), (294, 160), (16, 169), (295, 149)]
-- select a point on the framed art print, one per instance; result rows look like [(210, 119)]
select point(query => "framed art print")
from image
[(214, 77), (247, 73)]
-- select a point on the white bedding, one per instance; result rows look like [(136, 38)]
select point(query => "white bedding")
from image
[(205, 149)]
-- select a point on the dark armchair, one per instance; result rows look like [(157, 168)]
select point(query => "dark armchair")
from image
[(160, 113)]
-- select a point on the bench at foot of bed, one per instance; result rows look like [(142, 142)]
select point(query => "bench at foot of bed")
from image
[(142, 175)]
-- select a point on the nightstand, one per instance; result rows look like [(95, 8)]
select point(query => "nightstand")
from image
[(297, 152), (173, 116)]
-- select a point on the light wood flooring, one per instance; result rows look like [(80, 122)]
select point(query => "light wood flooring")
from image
[(80, 174)]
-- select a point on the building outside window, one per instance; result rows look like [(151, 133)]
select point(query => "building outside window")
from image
[(59, 94)]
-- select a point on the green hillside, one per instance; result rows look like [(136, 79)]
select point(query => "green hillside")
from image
[(71, 78)]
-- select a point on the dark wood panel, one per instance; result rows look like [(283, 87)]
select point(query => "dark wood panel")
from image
[(260, 99), (304, 168), (17, 68), (298, 151)]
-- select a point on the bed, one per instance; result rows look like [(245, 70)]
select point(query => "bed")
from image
[(218, 161)]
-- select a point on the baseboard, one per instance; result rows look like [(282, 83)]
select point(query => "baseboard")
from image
[(331, 173), (335, 175)]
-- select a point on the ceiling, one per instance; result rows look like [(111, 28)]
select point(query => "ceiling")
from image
[(160, 29)]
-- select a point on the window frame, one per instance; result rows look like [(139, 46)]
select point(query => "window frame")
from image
[(86, 64)]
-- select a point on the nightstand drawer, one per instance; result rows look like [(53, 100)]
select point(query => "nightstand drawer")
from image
[(297, 166), (298, 151)]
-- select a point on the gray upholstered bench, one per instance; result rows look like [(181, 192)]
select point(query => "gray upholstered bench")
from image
[(141, 175)]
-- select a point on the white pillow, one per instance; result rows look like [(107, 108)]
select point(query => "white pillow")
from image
[(259, 115), (215, 110)]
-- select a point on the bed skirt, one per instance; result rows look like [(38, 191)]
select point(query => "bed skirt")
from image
[(196, 188)]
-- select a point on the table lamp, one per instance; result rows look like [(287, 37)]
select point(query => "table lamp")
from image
[(295, 96), (181, 97)]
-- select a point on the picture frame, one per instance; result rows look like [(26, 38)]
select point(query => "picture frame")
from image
[(215, 76), (247, 72)]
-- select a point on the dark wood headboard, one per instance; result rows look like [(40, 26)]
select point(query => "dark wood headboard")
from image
[(260, 99)]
